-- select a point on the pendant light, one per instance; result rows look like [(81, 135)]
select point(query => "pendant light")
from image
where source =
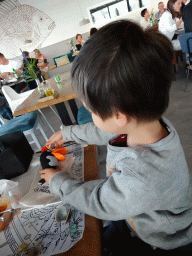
[(84, 21)]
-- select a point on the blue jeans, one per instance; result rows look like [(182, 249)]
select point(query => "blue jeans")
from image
[(6, 112)]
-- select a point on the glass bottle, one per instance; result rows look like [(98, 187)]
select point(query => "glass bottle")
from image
[(15, 73), (40, 88), (48, 90)]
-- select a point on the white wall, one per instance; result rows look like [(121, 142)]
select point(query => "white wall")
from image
[(67, 15)]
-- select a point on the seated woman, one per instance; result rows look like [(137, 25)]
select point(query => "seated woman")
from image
[(79, 42), (144, 22), (168, 23), (42, 63)]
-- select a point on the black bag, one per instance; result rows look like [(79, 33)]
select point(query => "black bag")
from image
[(15, 155)]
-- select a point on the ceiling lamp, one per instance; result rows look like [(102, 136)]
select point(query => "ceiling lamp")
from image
[(84, 21), (28, 41)]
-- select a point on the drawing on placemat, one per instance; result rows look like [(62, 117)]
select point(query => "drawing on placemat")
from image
[(39, 226)]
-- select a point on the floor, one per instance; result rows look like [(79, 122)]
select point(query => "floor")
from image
[(179, 113)]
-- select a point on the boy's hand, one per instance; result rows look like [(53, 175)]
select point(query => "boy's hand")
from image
[(48, 173), (55, 141)]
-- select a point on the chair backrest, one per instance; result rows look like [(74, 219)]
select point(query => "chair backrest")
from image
[(9, 94), (185, 40), (14, 99)]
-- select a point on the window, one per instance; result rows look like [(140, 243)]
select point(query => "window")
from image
[(109, 11)]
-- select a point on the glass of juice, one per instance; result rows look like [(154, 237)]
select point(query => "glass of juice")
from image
[(4, 202)]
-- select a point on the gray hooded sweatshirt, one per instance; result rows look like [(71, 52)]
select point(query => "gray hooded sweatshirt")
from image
[(150, 187)]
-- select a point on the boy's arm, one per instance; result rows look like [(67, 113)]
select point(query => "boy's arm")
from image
[(86, 134), (121, 196)]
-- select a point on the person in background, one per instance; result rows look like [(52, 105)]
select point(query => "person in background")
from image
[(6, 72), (168, 24), (144, 22), (162, 9), (7, 66), (148, 189), (42, 63), (184, 3), (79, 42), (187, 17), (93, 31)]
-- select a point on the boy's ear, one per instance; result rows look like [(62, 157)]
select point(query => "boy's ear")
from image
[(122, 119)]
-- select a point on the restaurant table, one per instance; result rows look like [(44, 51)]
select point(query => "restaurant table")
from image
[(154, 28), (90, 244), (65, 94)]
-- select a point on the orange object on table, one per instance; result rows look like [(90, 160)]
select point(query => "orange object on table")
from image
[(4, 204), (59, 153)]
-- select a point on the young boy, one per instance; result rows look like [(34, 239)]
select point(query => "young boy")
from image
[(123, 75)]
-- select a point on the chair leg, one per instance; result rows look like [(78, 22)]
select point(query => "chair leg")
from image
[(188, 69), (174, 74), (36, 141), (55, 112), (42, 131), (1, 120), (46, 120)]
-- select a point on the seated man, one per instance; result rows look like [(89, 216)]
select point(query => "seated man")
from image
[(7, 66), (161, 10), (6, 70), (184, 4), (144, 22), (187, 17)]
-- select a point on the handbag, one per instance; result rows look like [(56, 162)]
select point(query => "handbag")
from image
[(15, 155)]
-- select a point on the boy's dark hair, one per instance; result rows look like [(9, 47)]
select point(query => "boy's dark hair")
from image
[(1, 55), (143, 12), (124, 69)]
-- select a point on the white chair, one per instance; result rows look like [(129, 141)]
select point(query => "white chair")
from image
[(15, 99), (29, 125), (32, 133)]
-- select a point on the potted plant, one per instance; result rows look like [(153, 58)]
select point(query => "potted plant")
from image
[(31, 73)]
